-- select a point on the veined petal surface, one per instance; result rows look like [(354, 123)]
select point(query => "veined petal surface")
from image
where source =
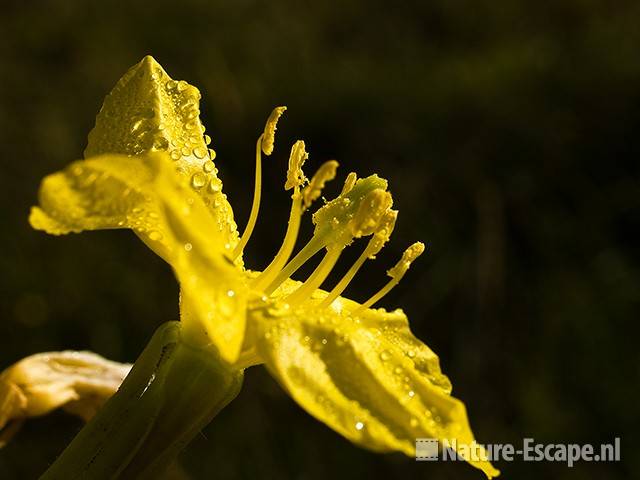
[(366, 376)]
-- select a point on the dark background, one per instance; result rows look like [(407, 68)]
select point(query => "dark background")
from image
[(508, 131)]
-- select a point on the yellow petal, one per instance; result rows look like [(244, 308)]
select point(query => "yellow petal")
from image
[(148, 111), (80, 382), (367, 377), (144, 194)]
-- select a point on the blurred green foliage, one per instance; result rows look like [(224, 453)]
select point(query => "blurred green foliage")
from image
[(508, 131)]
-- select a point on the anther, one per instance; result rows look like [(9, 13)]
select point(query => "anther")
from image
[(295, 175), (349, 182), (270, 130), (396, 273), (324, 174)]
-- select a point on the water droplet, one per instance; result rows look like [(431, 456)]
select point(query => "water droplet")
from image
[(188, 247), (207, 139), (155, 236), (359, 426), (230, 293), (411, 393), (200, 152), (413, 422), (198, 180), (324, 341), (208, 166), (214, 187), (385, 355), (411, 354), (397, 370), (186, 151), (212, 154), (171, 84), (182, 86)]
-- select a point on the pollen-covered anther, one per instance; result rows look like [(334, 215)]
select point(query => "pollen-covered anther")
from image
[(349, 182), (295, 175), (268, 137), (408, 257), (370, 212), (325, 173)]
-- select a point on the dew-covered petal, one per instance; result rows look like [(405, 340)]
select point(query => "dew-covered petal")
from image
[(144, 194), (366, 377), (148, 111)]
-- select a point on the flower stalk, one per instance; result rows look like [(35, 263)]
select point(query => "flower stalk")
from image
[(173, 391)]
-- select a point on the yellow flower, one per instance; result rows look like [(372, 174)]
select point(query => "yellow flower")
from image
[(148, 167)]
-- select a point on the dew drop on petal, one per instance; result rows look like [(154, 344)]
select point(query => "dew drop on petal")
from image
[(188, 247), (214, 186), (385, 355), (198, 180), (200, 152), (208, 166), (359, 426)]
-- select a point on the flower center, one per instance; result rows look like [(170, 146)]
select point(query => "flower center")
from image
[(362, 209)]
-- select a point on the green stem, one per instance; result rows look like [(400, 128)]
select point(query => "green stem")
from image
[(172, 392)]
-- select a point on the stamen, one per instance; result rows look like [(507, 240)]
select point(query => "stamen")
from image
[(396, 273), (325, 173), (333, 227), (309, 250), (288, 244), (295, 175), (377, 242), (318, 276), (265, 144), (295, 178)]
